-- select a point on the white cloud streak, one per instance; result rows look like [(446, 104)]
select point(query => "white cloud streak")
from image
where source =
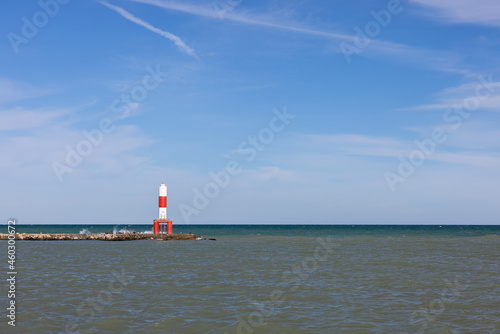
[(18, 118), (472, 153), (436, 60), (176, 39), (356, 144), (11, 91), (481, 12), (455, 96), (240, 18)]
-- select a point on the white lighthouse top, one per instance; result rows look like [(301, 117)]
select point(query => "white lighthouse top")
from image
[(163, 190)]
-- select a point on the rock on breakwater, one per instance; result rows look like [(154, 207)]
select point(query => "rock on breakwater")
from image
[(99, 236)]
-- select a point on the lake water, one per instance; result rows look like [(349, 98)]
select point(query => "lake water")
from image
[(260, 279)]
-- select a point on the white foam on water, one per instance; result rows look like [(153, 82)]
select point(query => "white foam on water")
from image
[(122, 231), (129, 230)]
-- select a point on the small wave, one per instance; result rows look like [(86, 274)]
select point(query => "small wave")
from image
[(115, 231), (125, 230), (122, 230), (84, 231)]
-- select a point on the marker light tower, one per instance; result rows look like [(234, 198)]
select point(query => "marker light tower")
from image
[(162, 224)]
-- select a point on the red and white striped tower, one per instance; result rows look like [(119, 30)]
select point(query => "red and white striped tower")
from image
[(162, 202), (162, 224)]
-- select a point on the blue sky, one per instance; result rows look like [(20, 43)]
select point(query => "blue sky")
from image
[(336, 112)]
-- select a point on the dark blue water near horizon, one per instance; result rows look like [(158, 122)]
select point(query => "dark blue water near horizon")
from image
[(273, 230)]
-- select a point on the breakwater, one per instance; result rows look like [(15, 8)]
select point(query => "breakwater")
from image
[(99, 236)]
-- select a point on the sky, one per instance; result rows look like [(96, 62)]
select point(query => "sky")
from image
[(252, 112)]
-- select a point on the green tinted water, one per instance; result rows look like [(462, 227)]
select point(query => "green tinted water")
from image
[(261, 281)]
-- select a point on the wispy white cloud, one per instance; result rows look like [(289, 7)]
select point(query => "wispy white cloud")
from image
[(436, 60), (477, 135), (482, 12), (19, 118), (354, 144), (33, 153), (241, 17), (11, 91), (475, 151), (269, 173), (483, 88), (469, 158), (176, 39)]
